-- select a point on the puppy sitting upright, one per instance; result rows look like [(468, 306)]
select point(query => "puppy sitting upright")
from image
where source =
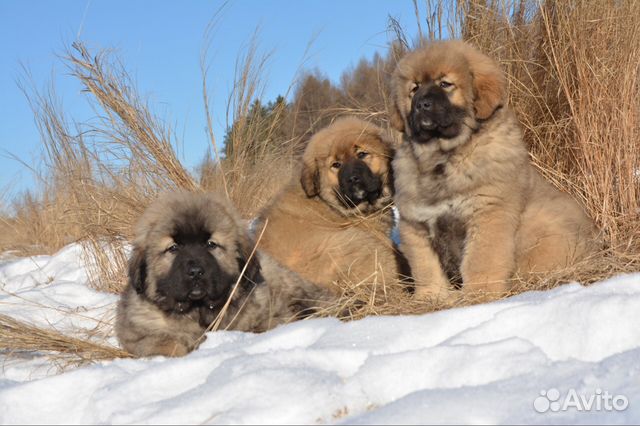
[(333, 223), (471, 204), (188, 253)]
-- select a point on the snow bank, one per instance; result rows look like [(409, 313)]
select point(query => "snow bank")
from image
[(483, 364), (53, 290)]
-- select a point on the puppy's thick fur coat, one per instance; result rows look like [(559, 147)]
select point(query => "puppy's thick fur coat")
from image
[(472, 207), (188, 254), (333, 224)]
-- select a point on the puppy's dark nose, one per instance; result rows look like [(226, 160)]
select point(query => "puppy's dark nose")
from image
[(195, 271), (353, 179), (425, 104), (196, 294)]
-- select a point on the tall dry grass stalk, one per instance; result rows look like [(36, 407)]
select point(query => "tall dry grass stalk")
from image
[(573, 70), (128, 123), (258, 157), (594, 50), (251, 165)]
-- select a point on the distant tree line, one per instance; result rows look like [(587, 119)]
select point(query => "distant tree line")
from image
[(362, 90)]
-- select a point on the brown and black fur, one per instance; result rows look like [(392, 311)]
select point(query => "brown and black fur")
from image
[(188, 253), (471, 204), (332, 224)]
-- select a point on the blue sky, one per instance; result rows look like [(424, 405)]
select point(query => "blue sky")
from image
[(159, 43)]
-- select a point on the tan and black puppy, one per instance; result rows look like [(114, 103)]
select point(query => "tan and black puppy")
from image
[(333, 223), (472, 207), (188, 253)]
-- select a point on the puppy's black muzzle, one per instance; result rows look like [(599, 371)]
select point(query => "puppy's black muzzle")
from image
[(194, 279), (358, 183), (433, 116), (195, 272)]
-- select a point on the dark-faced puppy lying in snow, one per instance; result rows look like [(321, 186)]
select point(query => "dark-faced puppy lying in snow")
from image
[(188, 254)]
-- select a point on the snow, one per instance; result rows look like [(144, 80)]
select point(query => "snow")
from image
[(482, 364), (53, 291)]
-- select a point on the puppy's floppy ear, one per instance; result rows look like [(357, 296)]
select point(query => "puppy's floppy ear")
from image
[(252, 275), (489, 83), (310, 177), (138, 270)]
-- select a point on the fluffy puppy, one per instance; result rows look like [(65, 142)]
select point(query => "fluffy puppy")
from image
[(472, 207), (190, 250), (333, 223)]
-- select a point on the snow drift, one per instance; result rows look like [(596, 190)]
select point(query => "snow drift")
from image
[(569, 355)]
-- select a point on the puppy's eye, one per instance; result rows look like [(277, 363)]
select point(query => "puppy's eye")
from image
[(414, 89), (336, 165), (445, 84), (172, 248), (211, 244), (362, 154)]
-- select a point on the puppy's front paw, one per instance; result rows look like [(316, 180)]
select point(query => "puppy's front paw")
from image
[(435, 291)]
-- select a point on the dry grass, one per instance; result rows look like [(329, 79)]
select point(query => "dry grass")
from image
[(372, 298), (63, 350), (259, 156), (573, 71)]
